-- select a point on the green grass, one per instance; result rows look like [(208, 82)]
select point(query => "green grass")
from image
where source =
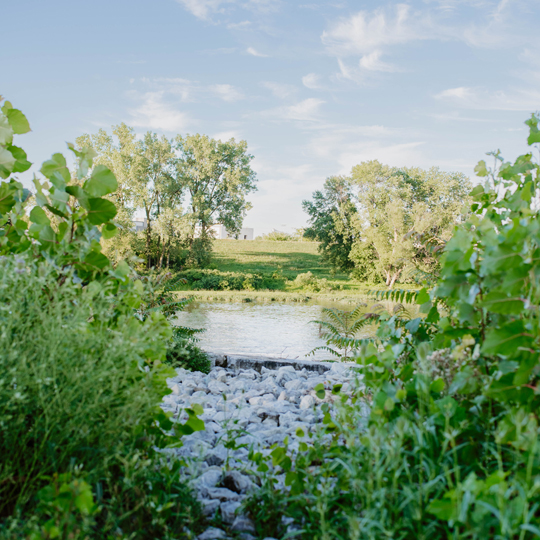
[(260, 256)]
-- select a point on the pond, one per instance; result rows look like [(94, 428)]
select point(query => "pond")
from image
[(276, 330)]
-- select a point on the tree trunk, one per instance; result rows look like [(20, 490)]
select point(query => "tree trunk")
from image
[(148, 237), (394, 278)]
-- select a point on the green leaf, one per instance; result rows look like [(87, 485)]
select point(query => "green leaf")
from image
[(437, 386), (300, 432), (442, 508), (21, 163), (6, 131), (7, 200), (422, 297), (100, 211), (38, 215), (101, 182), (97, 260), (81, 195), (499, 302), (109, 230), (57, 163), (320, 392), (534, 132), (7, 162), (481, 169), (18, 121), (506, 339)]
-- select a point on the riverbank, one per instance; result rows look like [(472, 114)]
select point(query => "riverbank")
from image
[(246, 411)]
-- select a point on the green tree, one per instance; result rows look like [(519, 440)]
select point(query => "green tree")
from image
[(397, 208), (218, 176), (331, 221), (148, 180)]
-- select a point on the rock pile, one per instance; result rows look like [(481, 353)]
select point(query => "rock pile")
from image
[(244, 409)]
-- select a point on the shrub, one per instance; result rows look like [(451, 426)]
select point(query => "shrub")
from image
[(441, 438), (216, 280), (310, 283), (80, 386), (182, 352)]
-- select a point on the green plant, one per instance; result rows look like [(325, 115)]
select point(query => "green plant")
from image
[(440, 439), (340, 329), (183, 352)]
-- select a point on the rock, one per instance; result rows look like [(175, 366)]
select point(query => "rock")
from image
[(294, 385), (307, 402), (223, 494), (228, 511), (243, 524), (210, 506), (217, 387), (210, 478), (216, 456), (282, 396), (212, 534), (236, 481), (284, 374)]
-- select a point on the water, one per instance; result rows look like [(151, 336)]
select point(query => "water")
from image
[(276, 330)]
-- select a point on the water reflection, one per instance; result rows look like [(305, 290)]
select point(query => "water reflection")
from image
[(278, 330)]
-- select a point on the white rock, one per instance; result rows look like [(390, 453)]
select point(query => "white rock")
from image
[(307, 402), (228, 511), (212, 534)]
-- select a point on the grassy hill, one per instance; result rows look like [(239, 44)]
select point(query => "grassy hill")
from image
[(263, 256)]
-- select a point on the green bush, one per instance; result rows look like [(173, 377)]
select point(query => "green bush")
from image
[(440, 439), (80, 386), (310, 283), (215, 280), (182, 352)]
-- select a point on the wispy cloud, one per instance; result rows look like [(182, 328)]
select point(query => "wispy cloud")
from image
[(155, 111), (280, 90), (307, 110), (373, 62), (483, 99), (254, 52), (312, 81), (227, 92), (205, 9)]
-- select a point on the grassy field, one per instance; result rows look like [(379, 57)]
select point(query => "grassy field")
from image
[(289, 259), (260, 256)]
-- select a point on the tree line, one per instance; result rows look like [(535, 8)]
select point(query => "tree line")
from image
[(182, 186), (385, 223)]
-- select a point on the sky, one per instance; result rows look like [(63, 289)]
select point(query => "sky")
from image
[(314, 87)]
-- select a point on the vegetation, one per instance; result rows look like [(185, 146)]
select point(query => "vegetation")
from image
[(81, 430), (440, 439), (383, 221), (156, 176)]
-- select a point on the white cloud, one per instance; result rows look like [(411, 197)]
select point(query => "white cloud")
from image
[(280, 90), (239, 25), (305, 111), (227, 135), (373, 62), (253, 52), (227, 92), (311, 80), (202, 9), (156, 112), (366, 32), (483, 99)]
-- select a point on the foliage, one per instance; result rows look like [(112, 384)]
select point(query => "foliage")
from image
[(440, 439), (148, 181), (230, 281), (309, 282), (331, 215), (217, 176), (395, 207), (81, 385), (340, 329), (63, 224), (182, 352)]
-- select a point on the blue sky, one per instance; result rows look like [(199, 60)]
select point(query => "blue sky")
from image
[(314, 87)]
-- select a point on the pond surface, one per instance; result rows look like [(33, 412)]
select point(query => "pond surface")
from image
[(276, 330)]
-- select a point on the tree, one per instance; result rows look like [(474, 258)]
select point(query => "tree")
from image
[(331, 216), (396, 207), (147, 180), (217, 176)]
